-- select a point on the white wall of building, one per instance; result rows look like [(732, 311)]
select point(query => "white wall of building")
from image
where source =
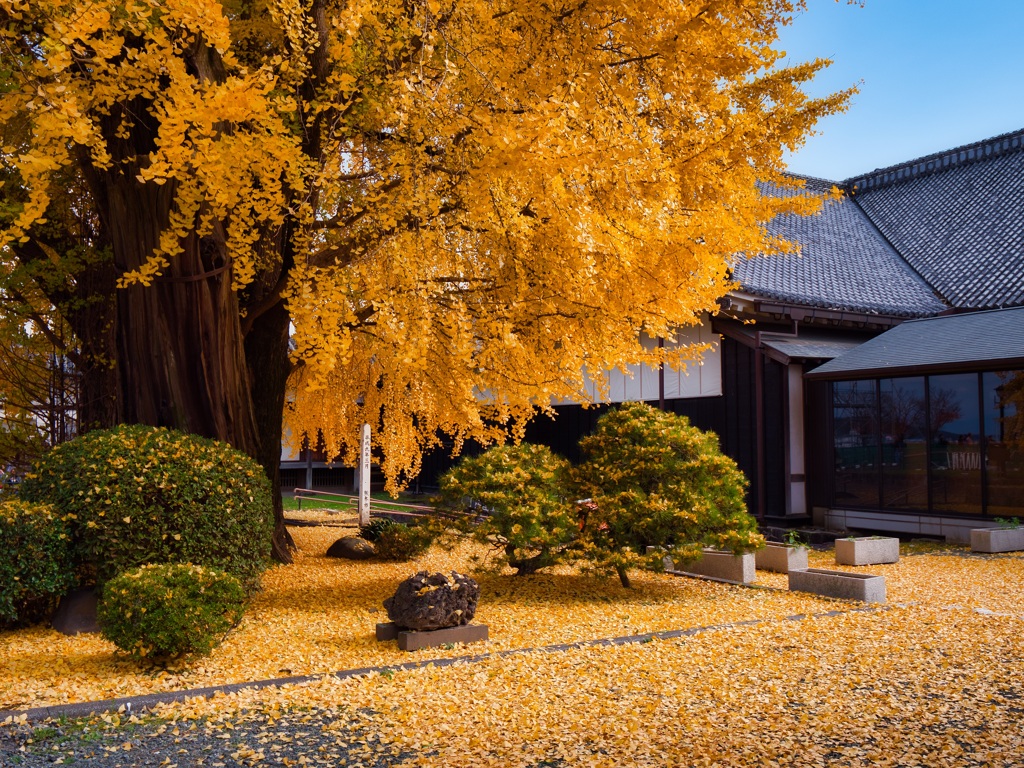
[(699, 378)]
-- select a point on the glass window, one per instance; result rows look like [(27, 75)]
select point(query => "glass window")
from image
[(955, 455), (1003, 398), (855, 417), (904, 444)]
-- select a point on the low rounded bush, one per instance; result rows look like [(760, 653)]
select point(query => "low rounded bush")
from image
[(401, 542), (521, 491), (135, 495), (35, 562), (161, 611)]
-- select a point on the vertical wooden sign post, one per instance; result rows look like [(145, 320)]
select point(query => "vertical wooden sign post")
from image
[(364, 477)]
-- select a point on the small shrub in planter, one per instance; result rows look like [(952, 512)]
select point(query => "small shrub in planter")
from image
[(135, 495), (401, 542), (161, 611), (659, 488), (35, 562), (522, 491)]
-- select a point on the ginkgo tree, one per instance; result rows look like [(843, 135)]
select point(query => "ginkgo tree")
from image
[(428, 215)]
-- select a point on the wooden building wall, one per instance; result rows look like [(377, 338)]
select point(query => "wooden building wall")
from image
[(732, 416), (817, 433)]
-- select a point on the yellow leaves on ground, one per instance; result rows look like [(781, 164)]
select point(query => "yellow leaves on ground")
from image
[(918, 685), (318, 615), (936, 575)]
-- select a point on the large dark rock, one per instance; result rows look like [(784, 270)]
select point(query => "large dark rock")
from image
[(429, 601), (76, 613), (351, 548)]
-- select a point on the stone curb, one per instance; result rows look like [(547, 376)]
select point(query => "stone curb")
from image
[(138, 704)]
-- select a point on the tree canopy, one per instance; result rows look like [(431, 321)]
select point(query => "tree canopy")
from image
[(452, 208)]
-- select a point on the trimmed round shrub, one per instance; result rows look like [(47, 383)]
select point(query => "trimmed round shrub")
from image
[(401, 542), (135, 495), (161, 611), (521, 489), (372, 530), (656, 481), (35, 562)]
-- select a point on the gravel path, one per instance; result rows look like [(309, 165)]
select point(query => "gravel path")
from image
[(289, 738)]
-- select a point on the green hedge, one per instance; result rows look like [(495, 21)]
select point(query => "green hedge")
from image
[(135, 495), (162, 611), (35, 562)]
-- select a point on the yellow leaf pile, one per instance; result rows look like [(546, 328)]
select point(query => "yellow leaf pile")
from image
[(318, 615), (933, 678), (911, 686)]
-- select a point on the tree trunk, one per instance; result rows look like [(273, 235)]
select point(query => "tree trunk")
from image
[(623, 576), (94, 321), (266, 352), (181, 352), (181, 362), (181, 358)]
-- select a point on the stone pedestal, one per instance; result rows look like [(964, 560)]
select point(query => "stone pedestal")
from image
[(409, 640), (997, 539), (722, 565)]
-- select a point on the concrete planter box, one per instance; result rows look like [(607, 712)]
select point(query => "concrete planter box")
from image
[(721, 565), (781, 558), (850, 586), (869, 550), (997, 539)]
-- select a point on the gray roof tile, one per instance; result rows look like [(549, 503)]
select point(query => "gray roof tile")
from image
[(992, 339), (843, 264), (957, 217), (942, 230)]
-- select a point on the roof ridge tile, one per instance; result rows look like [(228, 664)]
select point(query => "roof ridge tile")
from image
[(940, 161)]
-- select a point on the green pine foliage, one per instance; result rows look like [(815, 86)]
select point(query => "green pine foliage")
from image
[(520, 492), (656, 481), (134, 495), (35, 562), (159, 612)]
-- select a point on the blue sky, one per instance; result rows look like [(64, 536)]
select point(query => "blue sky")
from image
[(933, 75)]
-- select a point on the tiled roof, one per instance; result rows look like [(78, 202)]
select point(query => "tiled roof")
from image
[(843, 264), (957, 217), (909, 240), (992, 339), (808, 344), (811, 347)]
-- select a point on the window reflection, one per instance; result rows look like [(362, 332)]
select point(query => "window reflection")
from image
[(955, 443), (1003, 396), (856, 443), (904, 443), (952, 443)]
